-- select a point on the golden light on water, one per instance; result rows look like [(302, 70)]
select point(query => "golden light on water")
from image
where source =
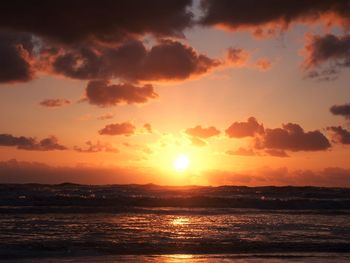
[(180, 221), (176, 258)]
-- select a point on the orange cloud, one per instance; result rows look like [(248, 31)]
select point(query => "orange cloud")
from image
[(242, 152), (198, 142), (237, 57), (124, 128), (148, 127), (30, 143), (96, 147), (201, 132), (263, 64), (245, 129), (276, 153), (14, 171), (54, 103), (106, 116)]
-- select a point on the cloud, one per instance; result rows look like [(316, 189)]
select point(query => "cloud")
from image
[(30, 143), (330, 51), (198, 133), (141, 148), (270, 16), (131, 61), (293, 138), (109, 44), (106, 116), (263, 64), (276, 153), (251, 152), (54, 103), (342, 110), (124, 128), (237, 57), (242, 152), (15, 53), (321, 49), (13, 171), (197, 142), (109, 21), (103, 94), (96, 147), (244, 129), (339, 134), (202, 132), (328, 177), (148, 127)]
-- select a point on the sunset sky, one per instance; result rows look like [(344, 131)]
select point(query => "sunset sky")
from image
[(244, 92)]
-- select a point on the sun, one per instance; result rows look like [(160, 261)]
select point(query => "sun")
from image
[(181, 163)]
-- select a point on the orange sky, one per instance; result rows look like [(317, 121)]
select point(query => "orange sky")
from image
[(248, 99)]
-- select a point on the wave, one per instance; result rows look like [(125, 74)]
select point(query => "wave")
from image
[(36, 198)]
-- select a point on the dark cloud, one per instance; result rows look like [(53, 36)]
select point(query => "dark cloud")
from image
[(108, 21), (326, 74), (174, 60), (245, 129), (131, 61), (326, 55), (103, 93), (82, 40), (124, 128), (341, 110), (292, 137), (321, 49), (339, 134), (15, 53), (201, 132), (265, 17), (30, 143), (54, 103), (96, 147), (276, 153), (242, 152)]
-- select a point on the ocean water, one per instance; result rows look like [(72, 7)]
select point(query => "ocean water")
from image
[(148, 223)]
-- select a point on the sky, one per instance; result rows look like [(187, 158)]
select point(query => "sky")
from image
[(204, 92)]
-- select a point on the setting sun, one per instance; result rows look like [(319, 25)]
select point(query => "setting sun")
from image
[(181, 163)]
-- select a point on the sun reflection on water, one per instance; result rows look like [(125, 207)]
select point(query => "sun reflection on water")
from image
[(180, 221), (178, 258)]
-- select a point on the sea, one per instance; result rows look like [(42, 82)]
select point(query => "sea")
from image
[(150, 223)]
